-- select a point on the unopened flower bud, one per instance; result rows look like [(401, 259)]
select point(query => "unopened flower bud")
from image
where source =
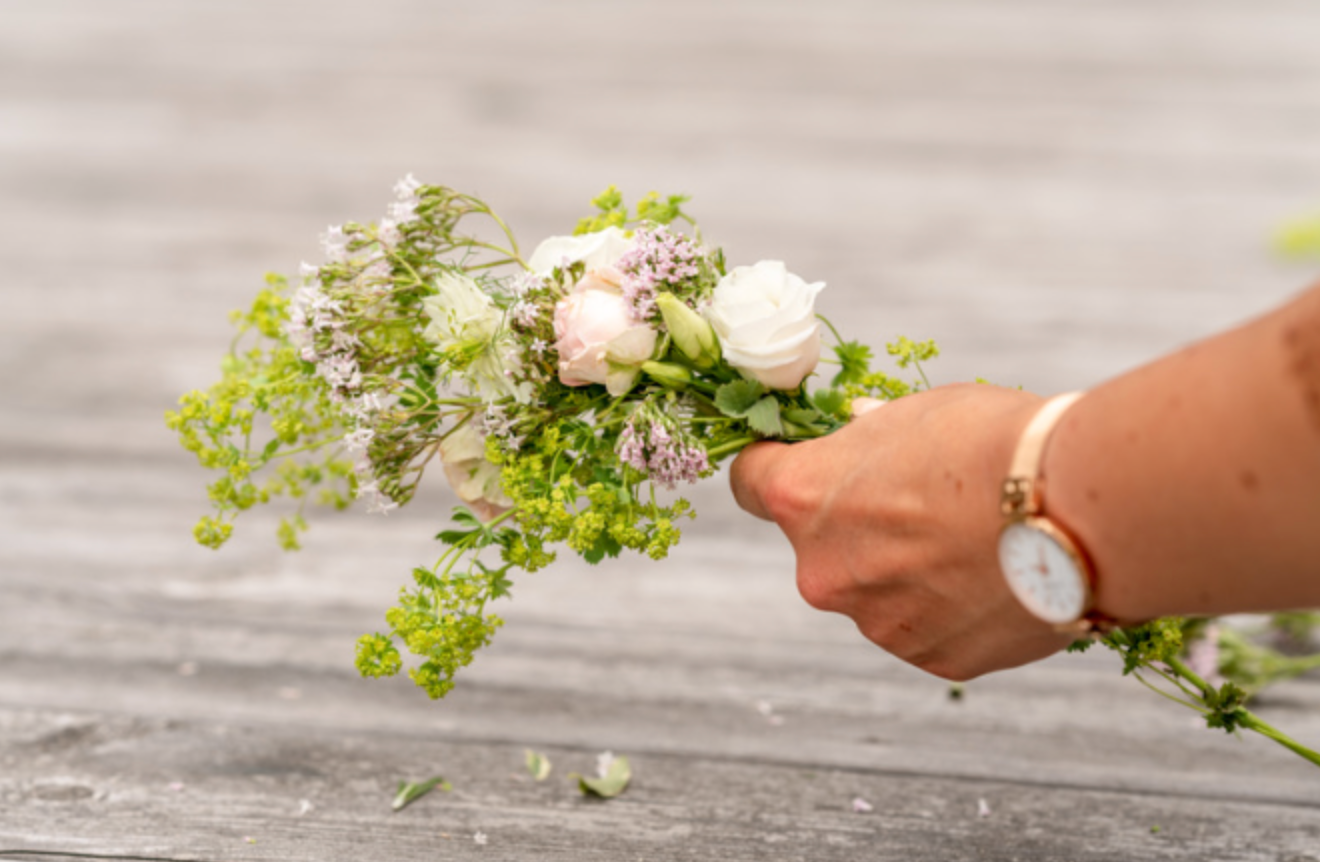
[(692, 334), (667, 374)]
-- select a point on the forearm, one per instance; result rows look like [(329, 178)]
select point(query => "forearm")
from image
[(1195, 481)]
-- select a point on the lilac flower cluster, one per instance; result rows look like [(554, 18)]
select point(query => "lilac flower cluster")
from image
[(667, 457), (657, 257)]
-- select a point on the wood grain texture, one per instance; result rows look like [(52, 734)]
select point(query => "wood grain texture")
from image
[(1056, 192)]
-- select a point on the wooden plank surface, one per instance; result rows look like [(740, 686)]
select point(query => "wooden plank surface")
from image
[(1056, 192)]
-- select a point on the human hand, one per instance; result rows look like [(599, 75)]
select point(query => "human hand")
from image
[(894, 520)]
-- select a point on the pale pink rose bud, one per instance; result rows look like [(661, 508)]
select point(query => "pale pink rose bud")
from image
[(598, 339), (473, 478)]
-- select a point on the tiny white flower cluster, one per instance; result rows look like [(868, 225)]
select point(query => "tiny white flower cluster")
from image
[(318, 324)]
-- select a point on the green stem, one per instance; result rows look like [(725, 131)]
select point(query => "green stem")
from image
[(922, 372), (729, 448), (1247, 718), (826, 321), (1250, 721)]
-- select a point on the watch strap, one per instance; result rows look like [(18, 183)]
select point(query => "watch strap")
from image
[(1021, 494)]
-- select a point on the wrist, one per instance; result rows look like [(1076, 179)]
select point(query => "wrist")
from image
[(1077, 502), (1045, 563)]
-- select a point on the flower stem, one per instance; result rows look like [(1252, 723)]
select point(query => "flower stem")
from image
[(1247, 718), (729, 448), (1250, 721)]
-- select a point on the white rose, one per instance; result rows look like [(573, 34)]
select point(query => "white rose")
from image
[(473, 478), (765, 318), (597, 250)]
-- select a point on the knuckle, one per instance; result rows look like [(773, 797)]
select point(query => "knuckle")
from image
[(789, 498), (817, 588)]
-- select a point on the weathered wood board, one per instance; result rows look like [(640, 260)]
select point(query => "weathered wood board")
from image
[(1056, 192)]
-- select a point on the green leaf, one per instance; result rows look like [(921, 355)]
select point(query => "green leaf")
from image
[(408, 792), (764, 417), (463, 515), (800, 416), (830, 401), (737, 398), (854, 362), (613, 783), (538, 765), (453, 537)]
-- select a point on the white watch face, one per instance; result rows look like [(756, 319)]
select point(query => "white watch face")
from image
[(1043, 576)]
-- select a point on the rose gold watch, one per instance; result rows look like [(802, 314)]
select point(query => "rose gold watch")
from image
[(1047, 569)]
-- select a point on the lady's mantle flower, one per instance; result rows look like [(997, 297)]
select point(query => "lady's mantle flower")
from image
[(765, 317), (473, 478), (598, 339)]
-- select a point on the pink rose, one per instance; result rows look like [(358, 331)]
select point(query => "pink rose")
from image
[(599, 340)]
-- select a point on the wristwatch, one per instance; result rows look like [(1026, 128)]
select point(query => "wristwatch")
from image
[(1046, 567)]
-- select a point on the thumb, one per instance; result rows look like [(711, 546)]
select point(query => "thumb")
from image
[(862, 406), (752, 473)]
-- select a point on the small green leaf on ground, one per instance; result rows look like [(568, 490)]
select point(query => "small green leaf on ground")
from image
[(538, 765), (408, 792), (611, 783)]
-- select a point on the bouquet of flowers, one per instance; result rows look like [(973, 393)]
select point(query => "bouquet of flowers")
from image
[(565, 395)]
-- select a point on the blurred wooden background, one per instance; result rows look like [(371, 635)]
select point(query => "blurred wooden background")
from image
[(1055, 191)]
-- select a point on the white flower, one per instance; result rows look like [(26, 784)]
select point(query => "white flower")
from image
[(596, 250), (460, 311), (765, 317), (407, 187), (335, 243), (473, 478), (604, 761), (462, 314), (480, 838)]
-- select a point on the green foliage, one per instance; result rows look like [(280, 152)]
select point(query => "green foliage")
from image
[(409, 792), (854, 363), (1140, 646), (736, 398), (1225, 707), (1253, 666), (538, 765), (611, 784), (612, 211), (745, 399), (1300, 237), (908, 352)]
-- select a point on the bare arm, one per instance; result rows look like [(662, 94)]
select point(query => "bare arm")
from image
[(1194, 482)]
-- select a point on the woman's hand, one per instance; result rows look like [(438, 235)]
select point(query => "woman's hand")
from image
[(895, 520)]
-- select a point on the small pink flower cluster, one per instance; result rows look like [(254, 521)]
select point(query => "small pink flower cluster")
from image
[(657, 257), (666, 457)]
